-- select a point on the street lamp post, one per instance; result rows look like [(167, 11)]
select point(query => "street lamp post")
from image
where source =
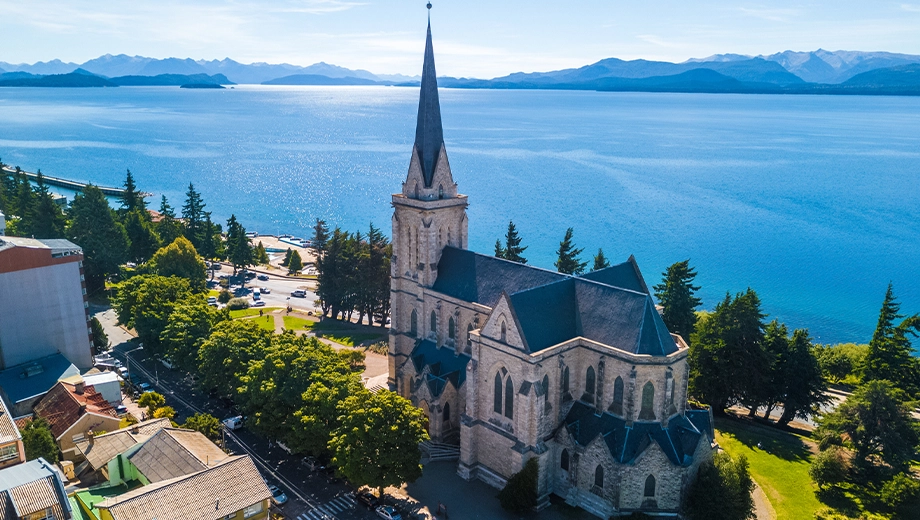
[(128, 357)]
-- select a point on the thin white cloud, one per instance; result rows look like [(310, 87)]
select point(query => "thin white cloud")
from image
[(772, 15)]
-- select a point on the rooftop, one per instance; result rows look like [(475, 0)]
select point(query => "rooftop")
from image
[(211, 493), (30, 487), (35, 378), (173, 452), (8, 430), (102, 448), (58, 247), (65, 403)]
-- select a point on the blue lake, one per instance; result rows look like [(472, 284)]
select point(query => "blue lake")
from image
[(813, 201)]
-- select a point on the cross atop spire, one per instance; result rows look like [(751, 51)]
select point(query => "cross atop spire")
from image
[(429, 135)]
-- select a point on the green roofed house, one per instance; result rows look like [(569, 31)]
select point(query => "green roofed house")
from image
[(513, 362), (152, 472)]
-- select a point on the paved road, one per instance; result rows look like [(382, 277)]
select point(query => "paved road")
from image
[(281, 289)]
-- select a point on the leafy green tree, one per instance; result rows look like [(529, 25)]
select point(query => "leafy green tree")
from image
[(512, 250), (677, 295), (829, 468), (377, 443), (194, 215), (600, 261), (168, 228), (204, 423), (568, 261), (728, 364), (320, 236), (38, 441), (520, 492), (224, 357), (47, 217), (166, 412), (224, 296), (877, 421), (100, 338), (188, 326), (722, 490), (890, 352), (842, 362), (272, 391), (93, 227), (152, 401), (143, 241), (239, 251), (180, 259), (902, 494), (296, 264), (145, 303), (260, 256)]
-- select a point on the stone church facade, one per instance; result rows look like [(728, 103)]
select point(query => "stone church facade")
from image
[(513, 362)]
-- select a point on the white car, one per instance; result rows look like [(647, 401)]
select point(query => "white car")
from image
[(266, 290), (258, 303), (388, 513), (212, 301), (233, 423)]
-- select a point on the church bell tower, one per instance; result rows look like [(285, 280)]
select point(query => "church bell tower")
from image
[(428, 215)]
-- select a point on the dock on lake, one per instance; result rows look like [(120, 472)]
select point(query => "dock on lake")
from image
[(68, 184)]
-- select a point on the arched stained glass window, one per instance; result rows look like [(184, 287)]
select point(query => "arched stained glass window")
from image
[(589, 381), (451, 332), (647, 413), (434, 323), (650, 487), (509, 398), (617, 405), (564, 463), (413, 324), (599, 476), (497, 404)]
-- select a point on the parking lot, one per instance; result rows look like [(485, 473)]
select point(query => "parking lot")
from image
[(279, 287)]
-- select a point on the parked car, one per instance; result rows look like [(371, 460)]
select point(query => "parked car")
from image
[(250, 275), (123, 372), (212, 301), (388, 513), (145, 387), (278, 496), (266, 290), (121, 409), (258, 303), (262, 277), (368, 499), (233, 423), (299, 293), (256, 294)]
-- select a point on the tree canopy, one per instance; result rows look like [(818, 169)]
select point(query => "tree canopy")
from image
[(890, 352), (600, 261), (512, 249), (182, 260), (38, 441), (145, 302), (568, 260), (677, 295), (94, 228)]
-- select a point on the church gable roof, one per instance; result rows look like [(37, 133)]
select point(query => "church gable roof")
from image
[(678, 441), (625, 275), (443, 365), (474, 277)]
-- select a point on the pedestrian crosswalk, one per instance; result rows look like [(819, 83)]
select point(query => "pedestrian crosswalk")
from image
[(328, 510)]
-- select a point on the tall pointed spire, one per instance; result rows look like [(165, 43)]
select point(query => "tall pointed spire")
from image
[(429, 136)]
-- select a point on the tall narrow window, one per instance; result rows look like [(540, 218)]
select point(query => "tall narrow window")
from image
[(564, 463), (450, 328), (545, 388), (589, 381), (416, 191), (504, 332), (434, 323), (413, 324), (440, 192), (469, 335), (650, 487), (617, 405), (509, 398), (565, 380), (648, 402), (599, 476), (497, 403), (446, 414)]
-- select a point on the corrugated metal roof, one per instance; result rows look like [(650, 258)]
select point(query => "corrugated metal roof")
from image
[(210, 494)]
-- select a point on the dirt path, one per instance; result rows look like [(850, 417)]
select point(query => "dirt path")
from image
[(762, 507)]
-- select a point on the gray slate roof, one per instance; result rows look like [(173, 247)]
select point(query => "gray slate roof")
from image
[(429, 135), (678, 441), (611, 306), (443, 364)]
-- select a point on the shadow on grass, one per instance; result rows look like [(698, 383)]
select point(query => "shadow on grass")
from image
[(776, 442)]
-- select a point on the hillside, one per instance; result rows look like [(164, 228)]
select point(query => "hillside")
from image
[(73, 79)]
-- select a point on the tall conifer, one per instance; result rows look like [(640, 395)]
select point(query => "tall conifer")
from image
[(513, 250), (677, 295), (568, 261), (600, 261)]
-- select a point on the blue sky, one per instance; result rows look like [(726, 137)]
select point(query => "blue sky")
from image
[(472, 37)]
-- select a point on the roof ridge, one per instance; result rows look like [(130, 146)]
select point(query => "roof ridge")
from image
[(156, 486)]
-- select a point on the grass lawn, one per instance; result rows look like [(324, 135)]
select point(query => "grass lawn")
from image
[(253, 311), (213, 293), (265, 322), (780, 465), (297, 323), (352, 339)]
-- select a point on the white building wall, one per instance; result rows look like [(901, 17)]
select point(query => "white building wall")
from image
[(42, 313)]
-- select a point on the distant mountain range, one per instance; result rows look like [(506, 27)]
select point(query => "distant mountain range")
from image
[(818, 72)]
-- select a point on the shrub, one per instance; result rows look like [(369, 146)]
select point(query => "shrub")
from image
[(520, 493), (829, 468), (224, 296), (722, 490), (100, 339), (901, 493), (238, 304), (38, 441)]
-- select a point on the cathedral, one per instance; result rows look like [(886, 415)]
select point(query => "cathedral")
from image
[(512, 362)]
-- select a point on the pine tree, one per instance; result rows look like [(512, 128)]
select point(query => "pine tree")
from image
[(320, 236), (168, 228), (131, 199), (260, 256), (296, 263), (513, 249), (47, 217), (600, 261), (239, 252), (568, 261), (499, 250), (93, 227), (193, 213), (143, 240), (890, 351), (25, 206), (287, 258), (676, 293)]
